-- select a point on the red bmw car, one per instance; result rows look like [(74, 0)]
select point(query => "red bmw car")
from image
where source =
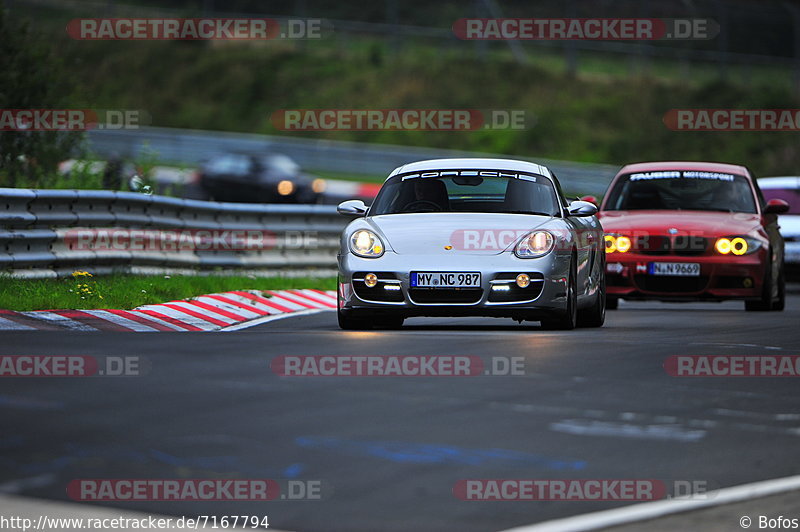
[(690, 231)]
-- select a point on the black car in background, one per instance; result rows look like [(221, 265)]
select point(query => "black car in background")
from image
[(248, 178)]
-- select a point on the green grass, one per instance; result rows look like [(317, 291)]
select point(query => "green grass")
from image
[(594, 118), (130, 291), (611, 112)]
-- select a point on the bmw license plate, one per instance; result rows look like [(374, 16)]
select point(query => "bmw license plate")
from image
[(445, 279), (677, 269)]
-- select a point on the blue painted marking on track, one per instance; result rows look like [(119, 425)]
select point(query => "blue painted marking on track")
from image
[(419, 453), (294, 470), (74, 454), (29, 403), (12, 442)]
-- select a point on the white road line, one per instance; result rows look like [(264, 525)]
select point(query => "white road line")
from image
[(581, 427), (748, 346), (22, 484), (266, 319), (756, 415), (651, 510)]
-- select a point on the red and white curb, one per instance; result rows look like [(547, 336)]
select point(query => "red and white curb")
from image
[(211, 312)]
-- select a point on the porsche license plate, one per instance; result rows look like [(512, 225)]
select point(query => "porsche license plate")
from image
[(445, 279), (677, 269)]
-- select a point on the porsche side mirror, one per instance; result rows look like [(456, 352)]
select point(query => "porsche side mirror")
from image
[(352, 208), (590, 199), (582, 208), (776, 206)]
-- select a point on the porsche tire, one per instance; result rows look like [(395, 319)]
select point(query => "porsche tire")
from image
[(595, 316), (569, 318)]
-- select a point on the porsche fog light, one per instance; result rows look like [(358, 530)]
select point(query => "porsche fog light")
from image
[(523, 280), (370, 280)]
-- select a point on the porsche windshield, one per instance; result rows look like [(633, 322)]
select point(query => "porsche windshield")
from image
[(682, 190), (467, 191)]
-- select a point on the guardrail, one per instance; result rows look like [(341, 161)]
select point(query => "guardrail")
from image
[(356, 158), (50, 233)]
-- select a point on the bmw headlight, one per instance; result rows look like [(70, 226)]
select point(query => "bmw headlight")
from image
[(617, 243), (536, 244), (366, 244), (736, 245)]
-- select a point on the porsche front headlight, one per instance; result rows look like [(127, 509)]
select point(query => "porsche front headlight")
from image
[(535, 244), (366, 244)]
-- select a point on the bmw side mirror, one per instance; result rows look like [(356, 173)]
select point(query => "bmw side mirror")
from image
[(776, 206), (352, 208), (582, 208)]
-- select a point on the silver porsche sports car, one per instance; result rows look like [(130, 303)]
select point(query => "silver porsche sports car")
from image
[(471, 237)]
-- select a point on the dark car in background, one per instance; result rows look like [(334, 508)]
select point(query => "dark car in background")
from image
[(249, 178)]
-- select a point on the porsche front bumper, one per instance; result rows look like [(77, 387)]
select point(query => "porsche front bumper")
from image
[(394, 294)]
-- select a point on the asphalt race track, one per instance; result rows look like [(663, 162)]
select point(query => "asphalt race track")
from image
[(592, 404)]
